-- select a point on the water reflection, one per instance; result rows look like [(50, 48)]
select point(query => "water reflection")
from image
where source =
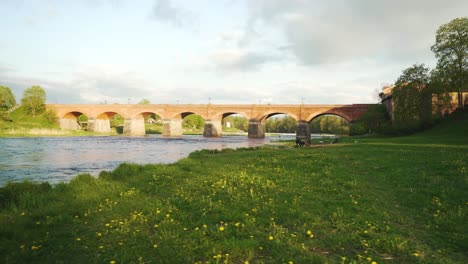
[(58, 159)]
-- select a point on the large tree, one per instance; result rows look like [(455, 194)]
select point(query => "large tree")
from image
[(34, 100), (412, 96), (451, 50), (7, 98)]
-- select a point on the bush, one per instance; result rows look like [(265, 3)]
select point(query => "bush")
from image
[(5, 116), (50, 116), (358, 128)]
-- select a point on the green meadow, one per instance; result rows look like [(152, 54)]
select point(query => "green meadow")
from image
[(364, 200)]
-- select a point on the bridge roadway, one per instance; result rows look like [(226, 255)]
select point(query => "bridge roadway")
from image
[(172, 114)]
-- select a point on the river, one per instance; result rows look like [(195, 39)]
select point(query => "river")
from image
[(59, 159)]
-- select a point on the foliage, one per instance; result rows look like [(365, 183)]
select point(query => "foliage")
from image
[(34, 100), (238, 122), (376, 118), (440, 88), (144, 101), (50, 116), (5, 116), (451, 50), (117, 121), (412, 98), (284, 124), (193, 121), (358, 128), (331, 124), (346, 204), (7, 99)]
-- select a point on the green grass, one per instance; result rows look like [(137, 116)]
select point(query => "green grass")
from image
[(388, 200), (22, 120)]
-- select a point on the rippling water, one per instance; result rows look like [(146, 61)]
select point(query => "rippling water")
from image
[(58, 159)]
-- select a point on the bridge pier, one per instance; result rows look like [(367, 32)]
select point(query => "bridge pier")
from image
[(69, 124), (99, 125), (256, 129), (303, 131), (134, 127), (172, 128), (213, 128)]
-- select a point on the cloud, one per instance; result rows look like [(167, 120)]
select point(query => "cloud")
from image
[(333, 31), (238, 60), (92, 84), (168, 12)]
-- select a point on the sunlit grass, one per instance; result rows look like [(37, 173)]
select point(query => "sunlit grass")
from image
[(385, 201)]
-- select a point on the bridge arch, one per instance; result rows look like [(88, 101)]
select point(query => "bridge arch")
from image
[(264, 116), (311, 117), (182, 115), (69, 120), (108, 115), (223, 114)]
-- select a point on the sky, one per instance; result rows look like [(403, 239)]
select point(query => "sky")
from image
[(222, 52)]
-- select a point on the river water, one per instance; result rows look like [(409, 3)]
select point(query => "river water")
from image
[(59, 159)]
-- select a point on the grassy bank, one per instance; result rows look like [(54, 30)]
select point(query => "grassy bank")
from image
[(388, 200)]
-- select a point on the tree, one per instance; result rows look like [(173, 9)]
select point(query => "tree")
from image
[(34, 100), (193, 121), (144, 101), (412, 97), (7, 99), (375, 118), (451, 50)]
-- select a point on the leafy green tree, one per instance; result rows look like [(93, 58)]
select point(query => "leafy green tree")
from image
[(284, 124), (193, 121), (7, 98), (451, 50), (241, 123), (144, 101), (34, 100), (412, 98), (329, 124)]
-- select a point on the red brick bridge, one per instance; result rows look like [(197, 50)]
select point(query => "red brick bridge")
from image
[(99, 116)]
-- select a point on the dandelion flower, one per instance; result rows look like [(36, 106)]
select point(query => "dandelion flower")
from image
[(271, 238), (221, 228)]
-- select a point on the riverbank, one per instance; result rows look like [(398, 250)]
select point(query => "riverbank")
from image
[(388, 200)]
